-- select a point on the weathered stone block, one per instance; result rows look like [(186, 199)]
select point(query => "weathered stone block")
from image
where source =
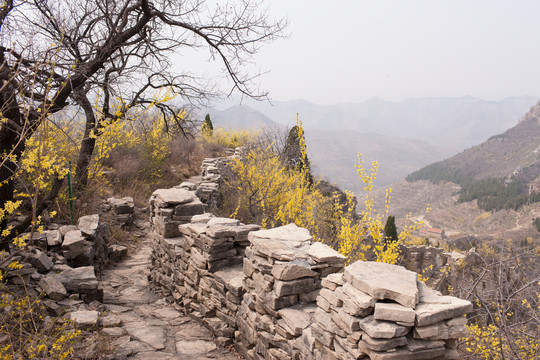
[(394, 312), (382, 329), (292, 270), (284, 288), (384, 281), (73, 243)]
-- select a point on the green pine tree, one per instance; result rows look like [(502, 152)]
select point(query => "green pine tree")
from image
[(295, 158), (390, 230), (207, 126)]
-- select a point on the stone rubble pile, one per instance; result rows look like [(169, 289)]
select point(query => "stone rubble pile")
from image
[(64, 262), (202, 268), (383, 312), (419, 258), (123, 209), (283, 271)]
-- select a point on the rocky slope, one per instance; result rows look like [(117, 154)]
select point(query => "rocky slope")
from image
[(510, 157)]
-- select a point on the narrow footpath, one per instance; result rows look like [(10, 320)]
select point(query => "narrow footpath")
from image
[(142, 324)]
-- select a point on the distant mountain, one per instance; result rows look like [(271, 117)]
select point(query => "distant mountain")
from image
[(238, 117), (493, 187), (452, 123)]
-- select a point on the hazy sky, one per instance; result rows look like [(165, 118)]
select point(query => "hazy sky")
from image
[(351, 50)]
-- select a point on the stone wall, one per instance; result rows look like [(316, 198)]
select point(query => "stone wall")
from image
[(419, 258), (277, 295)]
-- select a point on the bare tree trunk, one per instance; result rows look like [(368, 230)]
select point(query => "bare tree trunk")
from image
[(11, 142), (88, 142)]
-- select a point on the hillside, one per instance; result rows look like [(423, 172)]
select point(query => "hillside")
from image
[(489, 188), (334, 155)]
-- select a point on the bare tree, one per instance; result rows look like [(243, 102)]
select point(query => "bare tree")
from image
[(503, 283), (55, 54)]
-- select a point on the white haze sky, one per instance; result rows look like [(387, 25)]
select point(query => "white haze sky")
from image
[(351, 50)]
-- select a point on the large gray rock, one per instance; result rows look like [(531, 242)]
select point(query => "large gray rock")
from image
[(124, 205), (80, 280), (117, 252), (73, 244), (194, 207), (54, 237), (89, 225), (53, 287), (43, 263), (384, 281), (284, 288), (64, 229), (84, 319)]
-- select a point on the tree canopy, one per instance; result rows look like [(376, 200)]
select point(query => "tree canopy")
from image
[(109, 60)]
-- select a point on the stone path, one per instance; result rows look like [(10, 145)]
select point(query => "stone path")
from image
[(146, 326)]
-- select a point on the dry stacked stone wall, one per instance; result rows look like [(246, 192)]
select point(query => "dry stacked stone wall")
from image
[(276, 294)]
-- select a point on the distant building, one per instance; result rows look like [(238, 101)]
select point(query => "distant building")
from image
[(433, 233)]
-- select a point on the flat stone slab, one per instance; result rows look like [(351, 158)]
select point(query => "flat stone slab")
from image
[(173, 196), (427, 314), (194, 347), (223, 221), (84, 319), (152, 335), (296, 319), (384, 281), (383, 344), (394, 312), (275, 249), (322, 253), (292, 270), (292, 234)]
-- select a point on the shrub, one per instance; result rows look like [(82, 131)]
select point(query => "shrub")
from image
[(265, 189)]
